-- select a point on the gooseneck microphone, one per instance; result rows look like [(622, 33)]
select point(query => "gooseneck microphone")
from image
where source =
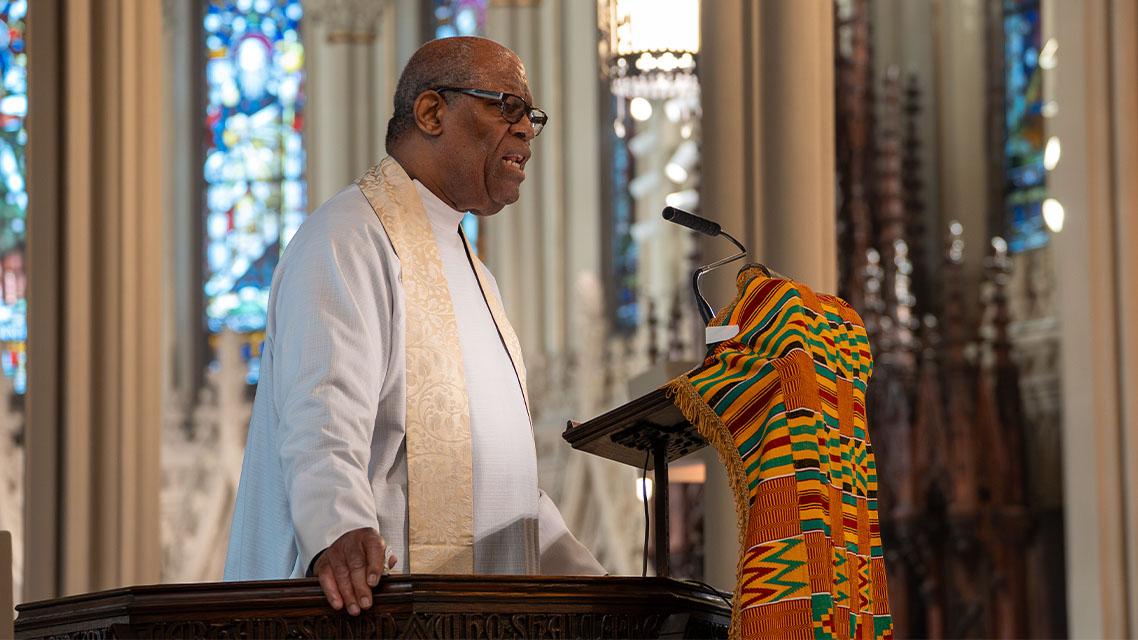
[(691, 221), (709, 228)]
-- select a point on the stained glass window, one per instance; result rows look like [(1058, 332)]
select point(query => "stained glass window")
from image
[(1025, 176), (462, 18), (254, 160), (13, 192), (625, 251)]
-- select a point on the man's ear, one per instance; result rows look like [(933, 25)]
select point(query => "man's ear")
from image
[(429, 109)]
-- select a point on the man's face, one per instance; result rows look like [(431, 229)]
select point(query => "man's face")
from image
[(486, 156)]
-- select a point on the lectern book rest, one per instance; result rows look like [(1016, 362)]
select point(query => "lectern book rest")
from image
[(648, 432)]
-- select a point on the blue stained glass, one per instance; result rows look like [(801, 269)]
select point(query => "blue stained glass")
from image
[(625, 252), (460, 18), (1025, 185), (254, 165), (13, 193), (470, 230)]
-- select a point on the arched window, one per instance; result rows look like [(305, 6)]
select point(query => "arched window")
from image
[(254, 168)]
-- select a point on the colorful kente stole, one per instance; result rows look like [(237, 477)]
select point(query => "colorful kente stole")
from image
[(784, 404), (440, 485)]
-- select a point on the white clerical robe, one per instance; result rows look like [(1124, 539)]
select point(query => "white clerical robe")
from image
[(326, 450)]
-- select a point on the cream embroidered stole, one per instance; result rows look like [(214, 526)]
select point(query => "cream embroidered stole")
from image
[(440, 484)]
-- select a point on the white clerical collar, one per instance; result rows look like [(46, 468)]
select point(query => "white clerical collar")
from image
[(438, 212)]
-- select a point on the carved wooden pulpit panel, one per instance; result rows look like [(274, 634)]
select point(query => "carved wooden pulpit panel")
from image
[(406, 606)]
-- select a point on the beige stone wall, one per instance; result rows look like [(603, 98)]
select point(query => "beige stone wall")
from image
[(1097, 272)]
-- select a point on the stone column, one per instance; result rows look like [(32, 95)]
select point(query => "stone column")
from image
[(6, 591), (1097, 271), (95, 245), (766, 71), (344, 73), (539, 246)]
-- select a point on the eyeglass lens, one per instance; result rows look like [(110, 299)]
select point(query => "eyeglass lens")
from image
[(514, 108)]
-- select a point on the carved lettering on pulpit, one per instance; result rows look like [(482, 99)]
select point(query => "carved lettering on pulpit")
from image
[(481, 626)]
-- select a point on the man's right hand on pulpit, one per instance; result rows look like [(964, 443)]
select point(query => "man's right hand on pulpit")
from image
[(350, 567)]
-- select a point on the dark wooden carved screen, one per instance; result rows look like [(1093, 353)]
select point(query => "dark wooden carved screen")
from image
[(947, 420)]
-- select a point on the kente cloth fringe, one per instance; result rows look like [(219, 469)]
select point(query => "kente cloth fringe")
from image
[(783, 403)]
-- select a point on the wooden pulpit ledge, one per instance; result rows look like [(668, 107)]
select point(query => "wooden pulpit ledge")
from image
[(405, 606)]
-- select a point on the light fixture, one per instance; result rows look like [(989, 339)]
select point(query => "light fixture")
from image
[(956, 242), (1053, 214), (640, 109), (688, 199), (682, 162), (675, 172), (643, 489), (1047, 59), (1051, 153), (674, 109), (651, 47)]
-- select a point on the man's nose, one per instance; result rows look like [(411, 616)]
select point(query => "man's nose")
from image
[(523, 129)]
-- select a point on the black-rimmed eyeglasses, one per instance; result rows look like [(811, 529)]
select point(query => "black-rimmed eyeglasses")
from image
[(512, 107)]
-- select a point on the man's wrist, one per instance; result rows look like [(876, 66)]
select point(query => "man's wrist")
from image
[(312, 565)]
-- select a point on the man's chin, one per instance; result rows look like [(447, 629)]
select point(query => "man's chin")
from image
[(486, 212), (496, 206)]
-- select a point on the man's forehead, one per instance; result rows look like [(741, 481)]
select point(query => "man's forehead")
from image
[(503, 71)]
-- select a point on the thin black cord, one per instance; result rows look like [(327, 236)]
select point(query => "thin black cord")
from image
[(644, 495), (711, 590)]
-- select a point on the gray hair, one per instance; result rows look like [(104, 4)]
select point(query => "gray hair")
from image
[(449, 62)]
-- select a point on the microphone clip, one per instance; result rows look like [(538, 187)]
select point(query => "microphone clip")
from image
[(708, 228)]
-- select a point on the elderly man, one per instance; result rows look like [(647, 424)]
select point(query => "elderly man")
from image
[(391, 426)]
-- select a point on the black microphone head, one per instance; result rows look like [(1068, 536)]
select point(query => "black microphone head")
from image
[(691, 221)]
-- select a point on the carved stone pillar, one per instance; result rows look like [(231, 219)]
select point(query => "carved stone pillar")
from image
[(95, 246), (766, 70), (350, 81), (767, 76), (1097, 273), (539, 246)]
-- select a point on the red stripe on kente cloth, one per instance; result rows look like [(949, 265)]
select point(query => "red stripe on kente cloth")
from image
[(775, 443), (742, 420), (828, 396)]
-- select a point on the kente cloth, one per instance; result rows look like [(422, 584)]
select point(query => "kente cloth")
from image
[(783, 403), (326, 450)]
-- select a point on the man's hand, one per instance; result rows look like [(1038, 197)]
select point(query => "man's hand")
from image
[(351, 567)]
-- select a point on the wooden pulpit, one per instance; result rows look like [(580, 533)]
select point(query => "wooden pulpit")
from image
[(405, 606)]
